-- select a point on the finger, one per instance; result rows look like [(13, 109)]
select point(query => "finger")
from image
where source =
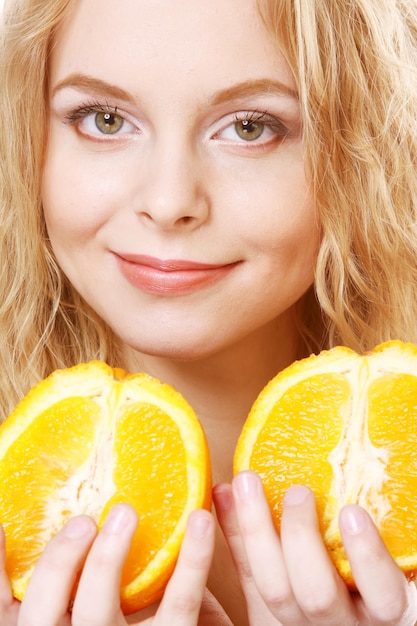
[(228, 520), (320, 592), (387, 596), (184, 594), (263, 549), (49, 590), (6, 596), (98, 595), (9, 607), (212, 612)]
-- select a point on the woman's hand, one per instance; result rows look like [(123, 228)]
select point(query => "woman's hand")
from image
[(291, 581), (100, 557)]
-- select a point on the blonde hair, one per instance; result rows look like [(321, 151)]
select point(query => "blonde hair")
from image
[(355, 64), (44, 322)]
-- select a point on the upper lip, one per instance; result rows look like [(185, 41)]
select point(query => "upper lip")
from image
[(168, 265)]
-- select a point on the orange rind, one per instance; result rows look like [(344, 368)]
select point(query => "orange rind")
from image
[(344, 425), (89, 437)]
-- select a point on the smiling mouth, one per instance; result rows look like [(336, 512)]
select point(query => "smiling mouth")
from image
[(170, 277)]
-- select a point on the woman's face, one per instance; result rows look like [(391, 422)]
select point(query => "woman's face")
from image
[(174, 187)]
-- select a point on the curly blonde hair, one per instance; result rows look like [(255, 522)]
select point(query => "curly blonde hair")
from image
[(44, 322), (355, 65)]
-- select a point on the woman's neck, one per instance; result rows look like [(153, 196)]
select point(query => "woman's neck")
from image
[(222, 387)]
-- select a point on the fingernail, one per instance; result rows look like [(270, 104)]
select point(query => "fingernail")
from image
[(198, 525), (223, 497), (352, 519), (77, 527), (297, 494), (247, 485), (117, 520)]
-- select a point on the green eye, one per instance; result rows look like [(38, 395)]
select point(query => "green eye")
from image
[(249, 130), (108, 123)]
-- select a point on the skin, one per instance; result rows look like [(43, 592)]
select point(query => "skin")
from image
[(178, 182)]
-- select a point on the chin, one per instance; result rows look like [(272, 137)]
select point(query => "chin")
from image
[(173, 350)]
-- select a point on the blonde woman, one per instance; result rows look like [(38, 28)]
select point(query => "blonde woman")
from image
[(207, 191)]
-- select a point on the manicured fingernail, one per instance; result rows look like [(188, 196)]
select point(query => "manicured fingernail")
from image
[(117, 520), (77, 527), (352, 519), (198, 525), (247, 485), (297, 494)]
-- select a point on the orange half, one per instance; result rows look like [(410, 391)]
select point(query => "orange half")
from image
[(345, 425), (89, 437)]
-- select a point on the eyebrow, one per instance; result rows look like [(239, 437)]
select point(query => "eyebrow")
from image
[(260, 86), (93, 85), (240, 91)]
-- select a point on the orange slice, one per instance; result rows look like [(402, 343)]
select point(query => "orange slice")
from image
[(87, 438), (345, 425)]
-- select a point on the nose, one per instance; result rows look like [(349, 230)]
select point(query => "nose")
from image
[(173, 192)]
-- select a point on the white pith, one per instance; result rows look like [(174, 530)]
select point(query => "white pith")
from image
[(359, 467)]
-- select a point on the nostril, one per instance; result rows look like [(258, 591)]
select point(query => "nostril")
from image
[(167, 210), (186, 219)]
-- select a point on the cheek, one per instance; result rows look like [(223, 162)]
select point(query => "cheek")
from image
[(77, 200), (275, 213), (290, 252)]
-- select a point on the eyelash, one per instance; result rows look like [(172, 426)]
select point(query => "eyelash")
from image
[(255, 130), (87, 109), (264, 118), (273, 124)]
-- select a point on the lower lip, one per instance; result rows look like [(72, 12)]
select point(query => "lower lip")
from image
[(171, 283)]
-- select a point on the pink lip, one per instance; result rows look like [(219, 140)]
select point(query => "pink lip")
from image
[(169, 276)]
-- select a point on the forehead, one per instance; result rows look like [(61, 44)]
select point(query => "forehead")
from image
[(150, 43)]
